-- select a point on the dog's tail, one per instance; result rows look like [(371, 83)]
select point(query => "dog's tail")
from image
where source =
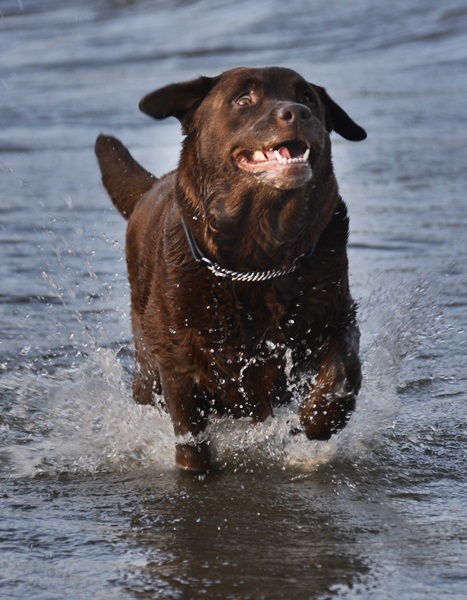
[(124, 179)]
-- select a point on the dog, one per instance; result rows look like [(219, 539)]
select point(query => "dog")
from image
[(237, 259)]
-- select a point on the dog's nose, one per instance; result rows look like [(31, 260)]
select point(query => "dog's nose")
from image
[(293, 113)]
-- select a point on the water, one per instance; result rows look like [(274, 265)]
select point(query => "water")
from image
[(90, 503)]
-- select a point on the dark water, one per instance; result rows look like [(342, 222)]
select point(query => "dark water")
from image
[(90, 505)]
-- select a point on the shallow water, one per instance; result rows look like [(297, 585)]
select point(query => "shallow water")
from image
[(90, 502)]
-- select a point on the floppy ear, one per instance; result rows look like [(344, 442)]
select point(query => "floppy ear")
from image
[(178, 100), (338, 120)]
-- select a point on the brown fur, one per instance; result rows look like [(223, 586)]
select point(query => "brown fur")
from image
[(211, 343)]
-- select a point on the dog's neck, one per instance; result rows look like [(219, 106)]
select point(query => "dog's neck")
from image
[(243, 276)]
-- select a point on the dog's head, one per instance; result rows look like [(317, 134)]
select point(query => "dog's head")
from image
[(256, 161), (268, 124)]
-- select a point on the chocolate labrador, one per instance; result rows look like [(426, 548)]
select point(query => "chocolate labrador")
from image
[(237, 259)]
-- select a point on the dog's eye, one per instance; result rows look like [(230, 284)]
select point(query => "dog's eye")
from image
[(307, 99), (245, 100)]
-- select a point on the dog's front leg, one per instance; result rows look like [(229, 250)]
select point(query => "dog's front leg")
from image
[(332, 398), (189, 419), (146, 381)]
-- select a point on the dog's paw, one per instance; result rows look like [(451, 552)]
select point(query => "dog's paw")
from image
[(194, 459), (322, 419)]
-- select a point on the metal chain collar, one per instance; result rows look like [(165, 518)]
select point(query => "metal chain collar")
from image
[(246, 276)]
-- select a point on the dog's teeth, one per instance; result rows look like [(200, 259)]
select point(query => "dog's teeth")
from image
[(306, 156), (280, 159), (258, 156)]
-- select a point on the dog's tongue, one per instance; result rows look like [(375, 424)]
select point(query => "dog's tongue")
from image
[(283, 151)]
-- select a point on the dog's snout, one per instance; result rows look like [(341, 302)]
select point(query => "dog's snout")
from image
[(293, 113)]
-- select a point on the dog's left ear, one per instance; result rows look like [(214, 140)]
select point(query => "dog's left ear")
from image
[(338, 120), (178, 100)]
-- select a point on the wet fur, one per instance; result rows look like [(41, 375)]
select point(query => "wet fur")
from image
[(210, 344)]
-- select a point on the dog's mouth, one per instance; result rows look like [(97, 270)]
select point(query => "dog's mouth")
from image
[(293, 154)]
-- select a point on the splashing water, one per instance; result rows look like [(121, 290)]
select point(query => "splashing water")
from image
[(83, 419)]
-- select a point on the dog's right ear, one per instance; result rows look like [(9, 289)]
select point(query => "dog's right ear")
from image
[(178, 100)]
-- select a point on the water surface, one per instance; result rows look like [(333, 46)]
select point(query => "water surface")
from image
[(90, 502)]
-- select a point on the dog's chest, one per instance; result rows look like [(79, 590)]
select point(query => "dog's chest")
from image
[(236, 325)]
